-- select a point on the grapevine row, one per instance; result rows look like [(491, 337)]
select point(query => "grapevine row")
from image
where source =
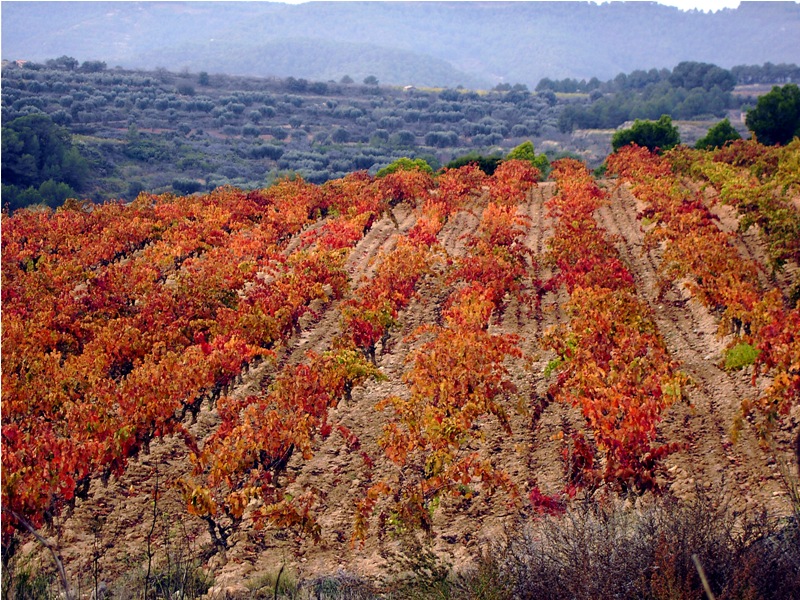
[(151, 340), (611, 360), (458, 375), (246, 458), (88, 369), (725, 282), (761, 182)]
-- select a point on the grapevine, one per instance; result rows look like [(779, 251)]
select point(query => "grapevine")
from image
[(611, 360), (721, 279)]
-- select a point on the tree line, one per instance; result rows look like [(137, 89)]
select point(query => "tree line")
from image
[(162, 131), (688, 91), (774, 120), (697, 74)]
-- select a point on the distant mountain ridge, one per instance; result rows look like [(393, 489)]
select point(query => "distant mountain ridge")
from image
[(475, 44)]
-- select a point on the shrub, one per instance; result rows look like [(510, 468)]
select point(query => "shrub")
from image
[(405, 164), (339, 135), (654, 135), (487, 164), (251, 131), (271, 584), (720, 134), (266, 151), (441, 139), (187, 186), (403, 138), (526, 151), (609, 551), (740, 356)]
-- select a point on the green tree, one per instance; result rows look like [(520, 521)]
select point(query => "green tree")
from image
[(690, 75), (487, 164), (54, 193), (654, 135), (35, 149), (93, 66), (370, 80), (340, 135), (526, 151), (63, 62), (405, 164), (40, 161), (718, 136), (776, 117), (49, 193), (403, 138)]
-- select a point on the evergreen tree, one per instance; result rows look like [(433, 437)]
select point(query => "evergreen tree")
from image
[(39, 163), (655, 135), (776, 117), (720, 134)]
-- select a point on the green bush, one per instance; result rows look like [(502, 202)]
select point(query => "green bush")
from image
[(26, 584), (487, 164), (526, 151), (405, 164), (50, 193), (658, 135), (187, 186), (719, 135), (269, 584), (740, 356)]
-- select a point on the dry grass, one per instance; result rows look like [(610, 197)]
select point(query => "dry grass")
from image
[(594, 551), (599, 551)]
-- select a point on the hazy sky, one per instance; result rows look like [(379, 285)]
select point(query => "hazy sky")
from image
[(708, 5), (682, 4)]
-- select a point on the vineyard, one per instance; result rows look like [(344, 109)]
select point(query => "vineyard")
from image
[(306, 374)]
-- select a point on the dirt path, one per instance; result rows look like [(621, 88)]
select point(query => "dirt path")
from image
[(544, 463)]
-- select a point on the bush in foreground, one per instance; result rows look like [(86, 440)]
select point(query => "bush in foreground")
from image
[(602, 551), (609, 552), (592, 551)]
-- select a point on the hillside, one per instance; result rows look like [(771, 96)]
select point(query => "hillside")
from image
[(539, 346), (160, 130), (427, 43)]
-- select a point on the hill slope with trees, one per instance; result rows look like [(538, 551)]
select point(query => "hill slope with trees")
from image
[(188, 132), (433, 43)]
